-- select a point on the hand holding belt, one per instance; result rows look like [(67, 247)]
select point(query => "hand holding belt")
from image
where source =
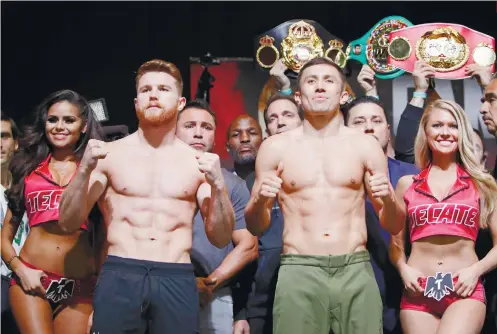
[(371, 49), (446, 47)]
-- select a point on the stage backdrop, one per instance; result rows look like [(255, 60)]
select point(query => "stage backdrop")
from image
[(241, 88)]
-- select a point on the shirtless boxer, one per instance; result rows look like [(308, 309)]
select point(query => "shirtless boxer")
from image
[(147, 186), (318, 172)]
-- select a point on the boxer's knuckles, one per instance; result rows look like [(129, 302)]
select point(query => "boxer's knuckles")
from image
[(95, 150), (209, 164)]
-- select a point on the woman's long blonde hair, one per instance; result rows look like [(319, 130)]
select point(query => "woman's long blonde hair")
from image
[(466, 157)]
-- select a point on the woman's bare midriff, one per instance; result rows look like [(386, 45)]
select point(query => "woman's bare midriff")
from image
[(442, 253), (49, 249)]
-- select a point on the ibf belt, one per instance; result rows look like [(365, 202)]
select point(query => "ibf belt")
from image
[(446, 47), (372, 48), (438, 286)]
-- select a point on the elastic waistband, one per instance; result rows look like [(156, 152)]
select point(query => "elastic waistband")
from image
[(117, 263), (325, 261)]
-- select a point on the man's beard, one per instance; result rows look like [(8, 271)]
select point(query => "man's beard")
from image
[(245, 160), (153, 118)]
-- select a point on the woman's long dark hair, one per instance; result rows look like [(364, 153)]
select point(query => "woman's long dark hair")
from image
[(34, 146)]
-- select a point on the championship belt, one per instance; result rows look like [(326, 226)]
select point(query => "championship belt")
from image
[(296, 42), (372, 48), (446, 47)]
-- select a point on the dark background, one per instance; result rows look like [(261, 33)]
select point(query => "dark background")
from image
[(95, 47)]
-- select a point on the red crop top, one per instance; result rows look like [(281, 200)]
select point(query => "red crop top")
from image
[(42, 196), (457, 214)]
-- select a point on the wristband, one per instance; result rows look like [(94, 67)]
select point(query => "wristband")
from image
[(287, 91), (375, 96), (420, 94)]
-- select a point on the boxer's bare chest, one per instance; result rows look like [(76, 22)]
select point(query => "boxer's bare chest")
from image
[(167, 174), (330, 163)]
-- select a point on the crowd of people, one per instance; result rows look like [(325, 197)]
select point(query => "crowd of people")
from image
[(325, 226)]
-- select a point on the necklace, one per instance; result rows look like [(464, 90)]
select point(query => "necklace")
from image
[(62, 171)]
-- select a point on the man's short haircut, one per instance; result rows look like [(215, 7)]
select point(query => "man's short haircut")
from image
[(360, 100), (199, 104), (15, 130), (158, 65), (228, 130), (276, 97), (321, 61)]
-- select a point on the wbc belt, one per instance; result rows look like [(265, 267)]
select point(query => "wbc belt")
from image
[(371, 49), (446, 47)]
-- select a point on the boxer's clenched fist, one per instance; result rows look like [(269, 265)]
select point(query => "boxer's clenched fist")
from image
[(208, 163), (271, 184), (379, 184), (95, 150)]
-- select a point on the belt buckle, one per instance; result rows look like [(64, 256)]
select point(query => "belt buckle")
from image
[(301, 45), (444, 49), (439, 286)]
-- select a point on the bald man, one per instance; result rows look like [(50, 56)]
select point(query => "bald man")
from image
[(244, 140)]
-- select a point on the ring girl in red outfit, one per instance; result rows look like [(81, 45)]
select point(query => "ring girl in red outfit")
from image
[(54, 275), (445, 206)]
